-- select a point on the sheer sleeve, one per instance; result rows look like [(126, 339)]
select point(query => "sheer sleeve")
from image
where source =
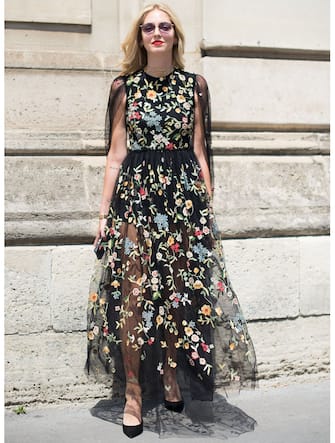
[(115, 100), (205, 106)]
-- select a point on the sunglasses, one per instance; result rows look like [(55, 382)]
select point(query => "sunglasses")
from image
[(164, 27)]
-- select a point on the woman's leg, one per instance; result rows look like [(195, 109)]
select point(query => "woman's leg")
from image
[(172, 332), (171, 388), (130, 316), (133, 395)]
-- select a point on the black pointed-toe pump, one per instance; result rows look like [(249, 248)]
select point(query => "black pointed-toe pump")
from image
[(133, 431), (175, 406)]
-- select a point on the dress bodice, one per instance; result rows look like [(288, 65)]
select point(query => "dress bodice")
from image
[(160, 111)]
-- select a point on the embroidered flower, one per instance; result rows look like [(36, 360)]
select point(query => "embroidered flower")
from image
[(128, 246), (180, 98), (201, 251), (205, 347), (151, 94), (159, 320), (221, 286), (218, 310), (170, 240), (115, 284), (93, 297), (148, 242), (161, 220), (198, 284), (195, 338), (175, 304), (206, 310), (188, 331), (142, 192), (175, 247), (135, 115), (153, 119)]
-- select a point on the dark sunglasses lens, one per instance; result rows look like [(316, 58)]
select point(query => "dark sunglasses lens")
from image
[(165, 27), (148, 27)]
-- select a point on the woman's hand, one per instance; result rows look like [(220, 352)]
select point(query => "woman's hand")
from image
[(101, 231)]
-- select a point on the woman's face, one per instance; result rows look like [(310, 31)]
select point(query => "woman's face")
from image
[(160, 36)]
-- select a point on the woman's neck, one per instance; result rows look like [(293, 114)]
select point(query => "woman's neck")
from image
[(159, 66), (156, 72)]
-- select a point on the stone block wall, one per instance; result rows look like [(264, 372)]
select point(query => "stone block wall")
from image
[(269, 86)]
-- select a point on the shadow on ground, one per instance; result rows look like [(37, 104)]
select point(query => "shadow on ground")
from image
[(217, 419)]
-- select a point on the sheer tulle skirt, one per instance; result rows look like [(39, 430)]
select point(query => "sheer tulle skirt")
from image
[(160, 298)]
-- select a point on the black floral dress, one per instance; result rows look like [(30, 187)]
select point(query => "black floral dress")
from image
[(160, 296)]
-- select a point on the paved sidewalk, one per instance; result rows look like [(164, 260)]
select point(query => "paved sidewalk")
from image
[(296, 413)]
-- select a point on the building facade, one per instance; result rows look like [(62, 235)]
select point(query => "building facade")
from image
[(267, 66)]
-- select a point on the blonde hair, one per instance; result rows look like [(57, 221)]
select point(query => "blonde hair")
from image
[(135, 55)]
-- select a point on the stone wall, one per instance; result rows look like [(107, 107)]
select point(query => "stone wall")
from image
[(268, 71)]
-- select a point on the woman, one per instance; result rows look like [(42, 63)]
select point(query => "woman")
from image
[(164, 321)]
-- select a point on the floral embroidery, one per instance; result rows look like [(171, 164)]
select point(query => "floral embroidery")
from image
[(162, 286)]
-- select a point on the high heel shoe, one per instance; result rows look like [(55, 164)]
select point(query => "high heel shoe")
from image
[(175, 406), (133, 431)]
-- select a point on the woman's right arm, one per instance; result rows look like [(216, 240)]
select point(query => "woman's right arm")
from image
[(115, 157)]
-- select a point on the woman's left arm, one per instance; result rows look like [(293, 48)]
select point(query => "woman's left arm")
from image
[(199, 146)]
